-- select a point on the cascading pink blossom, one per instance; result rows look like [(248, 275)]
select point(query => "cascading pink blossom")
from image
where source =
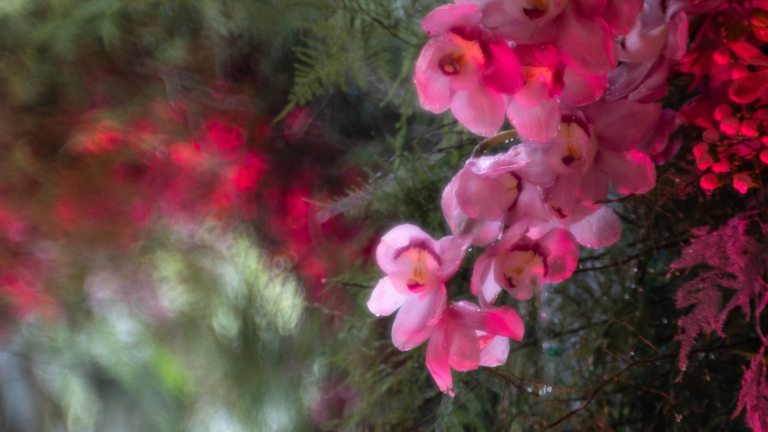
[(586, 129)]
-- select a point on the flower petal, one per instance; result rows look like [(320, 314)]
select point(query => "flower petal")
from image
[(590, 8), (586, 45), (479, 232), (447, 17), (598, 230), (630, 172), (625, 78), (503, 72), (437, 361), (538, 122), (582, 89), (451, 250), (620, 15), (677, 45), (480, 110), (385, 299), (644, 44), (610, 121), (562, 254), (750, 87), (504, 321), (495, 353), (479, 196), (483, 284), (416, 318), (432, 85), (463, 347)]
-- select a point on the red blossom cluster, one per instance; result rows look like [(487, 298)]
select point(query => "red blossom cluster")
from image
[(118, 178), (730, 68)]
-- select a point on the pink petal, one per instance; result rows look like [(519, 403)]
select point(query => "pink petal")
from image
[(480, 110), (749, 88), (538, 123), (483, 284), (643, 44), (492, 166), (600, 229), (530, 209), (610, 120), (582, 89), (571, 192), (589, 8), (539, 55), (620, 15), (479, 232), (630, 172), (432, 86), (503, 72), (451, 250), (497, 19), (416, 318), (385, 299), (749, 53), (654, 85), (396, 239), (657, 143), (678, 41), (437, 361), (625, 79), (464, 347), (480, 197), (504, 321), (562, 254), (586, 45), (495, 353), (513, 234), (447, 17), (538, 171)]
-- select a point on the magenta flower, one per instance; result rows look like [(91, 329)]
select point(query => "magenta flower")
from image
[(479, 196), (522, 265), (465, 68), (417, 267), (468, 337)]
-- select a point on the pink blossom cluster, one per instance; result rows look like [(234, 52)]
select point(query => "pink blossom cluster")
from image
[(579, 81)]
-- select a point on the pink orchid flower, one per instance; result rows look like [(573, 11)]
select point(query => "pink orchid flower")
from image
[(522, 265), (466, 68), (479, 196), (468, 337), (416, 268)]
